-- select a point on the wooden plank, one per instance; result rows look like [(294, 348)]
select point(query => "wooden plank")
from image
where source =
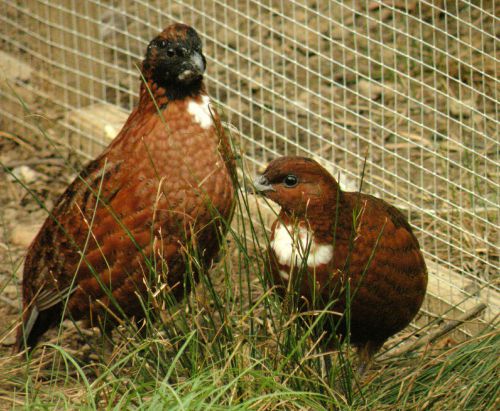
[(12, 69), (91, 128)]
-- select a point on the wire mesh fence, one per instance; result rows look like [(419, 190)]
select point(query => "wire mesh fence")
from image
[(410, 85)]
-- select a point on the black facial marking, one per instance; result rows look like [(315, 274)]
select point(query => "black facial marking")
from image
[(160, 43), (176, 64)]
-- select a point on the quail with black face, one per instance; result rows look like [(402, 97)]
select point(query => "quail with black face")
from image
[(176, 62), (163, 186)]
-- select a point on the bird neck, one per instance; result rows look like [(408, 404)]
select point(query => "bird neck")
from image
[(151, 92), (320, 218)]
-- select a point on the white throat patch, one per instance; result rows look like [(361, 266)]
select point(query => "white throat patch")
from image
[(201, 112), (292, 245)]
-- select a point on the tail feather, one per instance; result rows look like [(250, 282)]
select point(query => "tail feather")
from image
[(366, 352), (35, 323)]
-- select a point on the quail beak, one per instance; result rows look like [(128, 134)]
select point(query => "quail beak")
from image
[(194, 69), (261, 185)]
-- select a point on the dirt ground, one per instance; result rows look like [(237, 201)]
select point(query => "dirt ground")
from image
[(21, 215), (261, 95)]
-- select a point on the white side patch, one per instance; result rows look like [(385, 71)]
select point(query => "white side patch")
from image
[(201, 112), (284, 275), (292, 244)]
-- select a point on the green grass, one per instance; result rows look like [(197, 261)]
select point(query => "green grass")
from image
[(190, 373), (231, 344)]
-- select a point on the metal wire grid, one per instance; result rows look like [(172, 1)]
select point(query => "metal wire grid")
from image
[(413, 86)]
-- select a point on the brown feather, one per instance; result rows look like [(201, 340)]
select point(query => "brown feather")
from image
[(378, 254), (164, 181)]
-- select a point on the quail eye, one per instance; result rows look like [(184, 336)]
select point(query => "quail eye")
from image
[(290, 180), (161, 44)]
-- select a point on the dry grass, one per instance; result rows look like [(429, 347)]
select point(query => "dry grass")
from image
[(409, 84), (230, 345)]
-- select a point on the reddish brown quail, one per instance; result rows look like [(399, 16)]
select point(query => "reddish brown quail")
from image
[(332, 236), (163, 185)]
